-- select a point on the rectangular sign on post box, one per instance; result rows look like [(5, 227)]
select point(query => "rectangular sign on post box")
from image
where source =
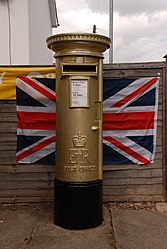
[(79, 93)]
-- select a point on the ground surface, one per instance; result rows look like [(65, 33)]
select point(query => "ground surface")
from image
[(127, 225)]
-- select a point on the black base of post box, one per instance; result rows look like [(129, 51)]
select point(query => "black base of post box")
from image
[(78, 205)]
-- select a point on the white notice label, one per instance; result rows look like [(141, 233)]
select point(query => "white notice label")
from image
[(79, 93)]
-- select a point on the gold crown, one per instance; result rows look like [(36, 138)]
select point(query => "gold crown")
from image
[(79, 140)]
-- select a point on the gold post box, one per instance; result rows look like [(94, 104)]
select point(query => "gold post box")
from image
[(79, 81)]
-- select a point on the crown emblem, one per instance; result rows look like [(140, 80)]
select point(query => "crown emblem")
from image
[(79, 140)]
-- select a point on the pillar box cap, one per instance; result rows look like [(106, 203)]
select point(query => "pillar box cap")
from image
[(78, 44)]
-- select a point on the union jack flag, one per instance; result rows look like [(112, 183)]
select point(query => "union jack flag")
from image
[(129, 120), (129, 127), (36, 120)]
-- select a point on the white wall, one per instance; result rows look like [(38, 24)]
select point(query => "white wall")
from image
[(30, 26), (19, 31), (4, 34), (40, 29), (4, 56)]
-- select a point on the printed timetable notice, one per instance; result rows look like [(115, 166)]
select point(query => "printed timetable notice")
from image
[(79, 93)]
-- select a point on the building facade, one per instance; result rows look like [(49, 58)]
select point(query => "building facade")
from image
[(24, 27)]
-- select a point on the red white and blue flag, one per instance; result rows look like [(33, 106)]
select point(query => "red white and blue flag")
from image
[(129, 120), (36, 120)]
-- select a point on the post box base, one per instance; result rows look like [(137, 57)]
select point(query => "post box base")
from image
[(78, 205)]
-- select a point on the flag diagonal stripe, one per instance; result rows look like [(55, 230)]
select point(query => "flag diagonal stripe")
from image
[(38, 88), (127, 150), (35, 148), (136, 93)]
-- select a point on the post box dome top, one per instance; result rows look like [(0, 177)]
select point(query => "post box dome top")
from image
[(78, 43)]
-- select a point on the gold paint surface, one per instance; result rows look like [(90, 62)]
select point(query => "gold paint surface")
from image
[(79, 126), (79, 44)]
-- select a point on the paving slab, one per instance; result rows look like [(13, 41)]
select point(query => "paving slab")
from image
[(48, 235), (140, 229), (31, 227), (16, 225)]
